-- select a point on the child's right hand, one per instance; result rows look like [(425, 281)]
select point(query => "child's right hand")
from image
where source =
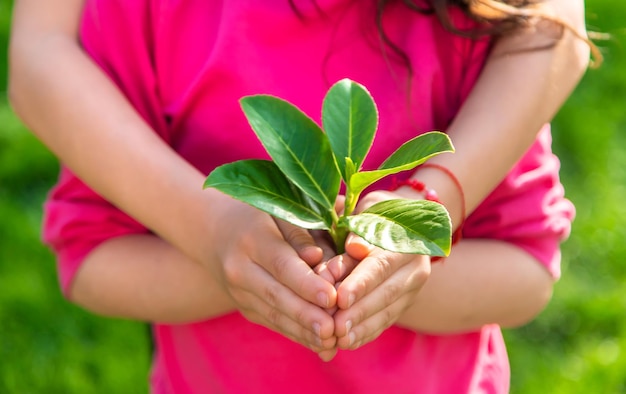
[(256, 260)]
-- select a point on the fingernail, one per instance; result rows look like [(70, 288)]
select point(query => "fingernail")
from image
[(317, 329), (348, 326), (322, 299), (351, 299), (352, 337)]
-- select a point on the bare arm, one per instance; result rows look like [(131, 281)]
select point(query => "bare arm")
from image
[(516, 94), (142, 277), (483, 281), (49, 74)]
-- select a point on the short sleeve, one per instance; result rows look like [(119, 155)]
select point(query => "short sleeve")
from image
[(529, 208), (76, 220)]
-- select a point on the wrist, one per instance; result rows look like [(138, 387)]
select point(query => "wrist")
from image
[(449, 190), (414, 186)]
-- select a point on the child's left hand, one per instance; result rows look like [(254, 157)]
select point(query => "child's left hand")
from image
[(375, 286), (374, 292)]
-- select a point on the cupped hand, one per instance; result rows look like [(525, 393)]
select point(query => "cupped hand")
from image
[(310, 246), (374, 293), (376, 286), (265, 266)]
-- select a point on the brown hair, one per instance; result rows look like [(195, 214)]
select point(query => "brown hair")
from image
[(521, 11), (484, 11), (497, 17)]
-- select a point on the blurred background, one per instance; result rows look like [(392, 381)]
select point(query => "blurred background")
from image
[(577, 345)]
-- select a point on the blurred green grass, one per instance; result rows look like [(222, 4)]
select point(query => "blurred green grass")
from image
[(577, 345)]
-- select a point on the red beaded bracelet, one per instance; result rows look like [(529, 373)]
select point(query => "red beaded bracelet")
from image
[(431, 195)]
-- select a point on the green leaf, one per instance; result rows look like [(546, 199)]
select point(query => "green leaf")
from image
[(296, 144), (260, 183), (350, 119), (350, 168), (405, 226), (410, 155)]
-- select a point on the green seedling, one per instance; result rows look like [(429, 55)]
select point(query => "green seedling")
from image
[(301, 183)]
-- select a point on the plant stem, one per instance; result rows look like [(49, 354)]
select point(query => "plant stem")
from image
[(339, 233), (350, 206)]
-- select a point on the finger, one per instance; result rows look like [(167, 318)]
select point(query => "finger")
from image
[(357, 247), (280, 306), (281, 261), (334, 309), (285, 328), (369, 274), (323, 271), (340, 204), (373, 198), (327, 355), (371, 328), (341, 266), (301, 241), (289, 329), (407, 280)]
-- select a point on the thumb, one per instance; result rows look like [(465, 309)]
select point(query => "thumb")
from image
[(301, 241), (357, 247)]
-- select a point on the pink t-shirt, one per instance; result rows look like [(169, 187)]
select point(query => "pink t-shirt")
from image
[(185, 64)]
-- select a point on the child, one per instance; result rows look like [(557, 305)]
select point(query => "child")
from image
[(151, 245)]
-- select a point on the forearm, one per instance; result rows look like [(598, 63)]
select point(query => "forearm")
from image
[(69, 103), (519, 90), (144, 278), (482, 282), (85, 120)]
